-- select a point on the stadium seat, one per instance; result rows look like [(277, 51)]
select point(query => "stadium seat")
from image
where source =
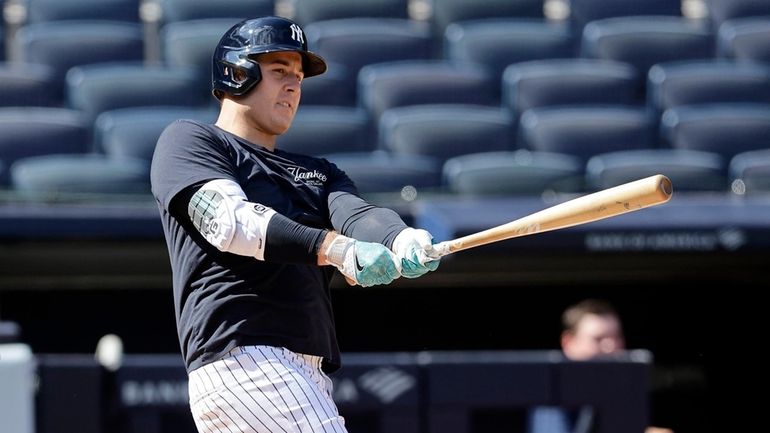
[(745, 39), (32, 131), (513, 172), (3, 55), (186, 10), (336, 86), (646, 40), (356, 42), (689, 170), (93, 88), (54, 175), (39, 11), (64, 44), (382, 172), (191, 44), (385, 86), (310, 11), (551, 82), (584, 11), (727, 129), (702, 82), (446, 12), (444, 131), (586, 131), (321, 129), (133, 132), (749, 172), (27, 84), (720, 11), (496, 43)]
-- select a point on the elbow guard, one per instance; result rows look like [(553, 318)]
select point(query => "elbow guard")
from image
[(221, 213)]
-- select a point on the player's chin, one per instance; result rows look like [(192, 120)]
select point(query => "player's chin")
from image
[(282, 125)]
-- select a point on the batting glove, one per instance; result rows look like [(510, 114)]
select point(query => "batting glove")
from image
[(411, 247), (363, 263)]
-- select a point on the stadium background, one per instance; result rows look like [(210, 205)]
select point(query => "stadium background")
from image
[(78, 264)]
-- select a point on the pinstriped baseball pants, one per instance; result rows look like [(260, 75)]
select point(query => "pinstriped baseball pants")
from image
[(263, 389)]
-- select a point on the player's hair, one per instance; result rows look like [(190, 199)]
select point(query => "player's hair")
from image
[(575, 313)]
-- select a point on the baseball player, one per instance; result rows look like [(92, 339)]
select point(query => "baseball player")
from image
[(254, 235)]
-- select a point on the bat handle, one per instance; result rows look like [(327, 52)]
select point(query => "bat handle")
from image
[(439, 250)]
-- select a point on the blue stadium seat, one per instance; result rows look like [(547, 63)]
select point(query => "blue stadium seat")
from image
[(186, 10), (336, 86), (310, 11), (646, 40), (191, 44), (39, 11), (551, 82), (584, 11), (689, 170), (27, 84), (56, 175), (702, 82), (496, 43), (357, 42), (444, 131), (745, 39), (727, 129), (382, 172), (98, 88), (385, 86), (720, 11), (64, 44), (749, 172), (446, 12), (32, 131), (586, 131), (133, 132), (3, 55), (318, 130), (513, 172)]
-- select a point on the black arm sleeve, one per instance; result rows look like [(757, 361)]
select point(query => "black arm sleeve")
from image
[(289, 241), (352, 216)]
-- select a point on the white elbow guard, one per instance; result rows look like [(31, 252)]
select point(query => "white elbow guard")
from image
[(221, 213)]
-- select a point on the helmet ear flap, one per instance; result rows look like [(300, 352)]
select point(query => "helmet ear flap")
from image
[(239, 79)]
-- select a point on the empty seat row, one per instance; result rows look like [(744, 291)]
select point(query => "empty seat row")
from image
[(526, 85), (349, 45), (46, 11), (438, 131), (517, 172)]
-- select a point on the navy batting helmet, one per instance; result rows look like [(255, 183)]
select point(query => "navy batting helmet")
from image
[(237, 48)]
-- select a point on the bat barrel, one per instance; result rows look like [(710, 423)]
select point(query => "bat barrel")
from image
[(628, 197)]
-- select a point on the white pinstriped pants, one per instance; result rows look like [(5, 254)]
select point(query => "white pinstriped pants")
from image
[(264, 389)]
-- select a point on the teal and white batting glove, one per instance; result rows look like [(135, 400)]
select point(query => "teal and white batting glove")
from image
[(412, 247), (363, 263)]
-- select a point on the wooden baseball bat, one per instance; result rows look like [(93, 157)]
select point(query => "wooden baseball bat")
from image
[(628, 197)]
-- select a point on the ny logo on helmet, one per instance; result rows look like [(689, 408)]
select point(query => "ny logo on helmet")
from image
[(296, 34)]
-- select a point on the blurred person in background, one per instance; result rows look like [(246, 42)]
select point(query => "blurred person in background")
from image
[(591, 329)]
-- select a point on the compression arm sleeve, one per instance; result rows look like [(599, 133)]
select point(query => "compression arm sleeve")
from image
[(354, 217), (220, 211)]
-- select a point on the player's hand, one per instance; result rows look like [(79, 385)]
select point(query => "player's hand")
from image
[(412, 247), (363, 263)]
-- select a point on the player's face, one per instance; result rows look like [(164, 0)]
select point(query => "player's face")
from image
[(275, 99), (594, 336)]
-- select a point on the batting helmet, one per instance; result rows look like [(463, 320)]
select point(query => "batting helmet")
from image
[(237, 48)]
